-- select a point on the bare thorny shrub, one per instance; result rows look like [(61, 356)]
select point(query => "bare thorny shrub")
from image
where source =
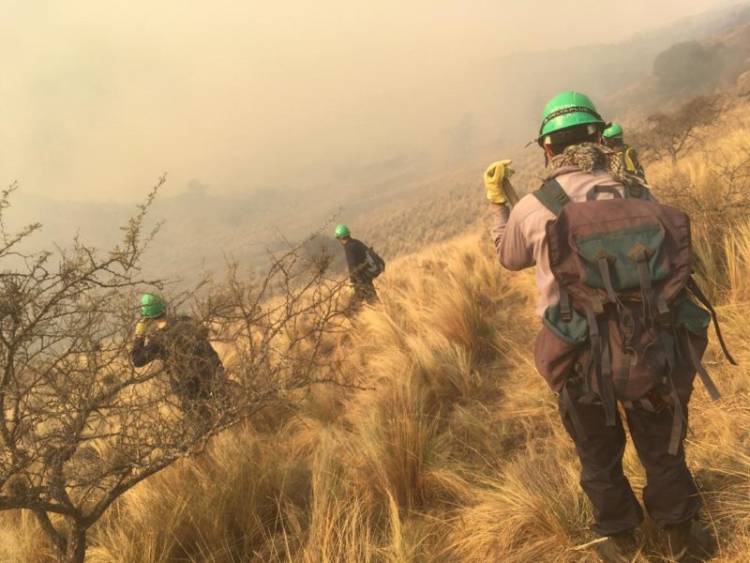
[(79, 425), (666, 135), (280, 328)]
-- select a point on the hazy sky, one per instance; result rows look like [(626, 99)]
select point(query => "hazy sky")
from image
[(99, 97)]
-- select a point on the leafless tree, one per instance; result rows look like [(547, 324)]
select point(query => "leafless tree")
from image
[(79, 425), (673, 134)]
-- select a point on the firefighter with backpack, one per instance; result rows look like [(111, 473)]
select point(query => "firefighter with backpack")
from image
[(613, 137), (364, 266), (195, 371), (621, 326)]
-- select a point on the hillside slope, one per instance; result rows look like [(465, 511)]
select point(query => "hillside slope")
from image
[(453, 452), (452, 449), (456, 454)]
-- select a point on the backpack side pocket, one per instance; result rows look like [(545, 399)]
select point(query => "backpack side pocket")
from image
[(559, 345)]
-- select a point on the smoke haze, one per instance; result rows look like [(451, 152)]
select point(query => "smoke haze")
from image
[(98, 98)]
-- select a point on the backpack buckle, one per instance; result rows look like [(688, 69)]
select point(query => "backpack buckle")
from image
[(604, 261), (665, 314), (639, 253), (566, 311), (597, 305)]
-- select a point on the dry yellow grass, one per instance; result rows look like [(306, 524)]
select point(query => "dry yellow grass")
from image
[(456, 453), (712, 183)]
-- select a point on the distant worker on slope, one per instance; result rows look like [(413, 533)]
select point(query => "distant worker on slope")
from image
[(619, 324), (364, 266), (613, 137), (182, 345)]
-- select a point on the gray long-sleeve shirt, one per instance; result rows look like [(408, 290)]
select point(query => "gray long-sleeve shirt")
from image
[(519, 234)]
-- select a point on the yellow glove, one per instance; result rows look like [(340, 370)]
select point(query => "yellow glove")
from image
[(493, 180), (140, 329)]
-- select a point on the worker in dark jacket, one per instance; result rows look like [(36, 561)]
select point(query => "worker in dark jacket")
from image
[(186, 354), (362, 269)]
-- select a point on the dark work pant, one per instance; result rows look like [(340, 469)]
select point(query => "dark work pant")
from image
[(670, 495), (364, 292)]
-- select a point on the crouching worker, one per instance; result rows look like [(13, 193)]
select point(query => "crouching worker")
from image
[(193, 366), (620, 324), (364, 266)]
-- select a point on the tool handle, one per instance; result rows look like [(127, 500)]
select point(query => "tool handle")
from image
[(510, 192)]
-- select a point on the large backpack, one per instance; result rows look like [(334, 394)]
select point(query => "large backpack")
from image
[(626, 328), (190, 359), (374, 264)]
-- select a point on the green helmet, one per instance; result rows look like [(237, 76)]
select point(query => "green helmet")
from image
[(152, 305), (614, 130), (566, 110), (342, 231)]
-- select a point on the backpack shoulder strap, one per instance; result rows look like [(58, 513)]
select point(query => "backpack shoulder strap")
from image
[(634, 190), (698, 293), (552, 196)]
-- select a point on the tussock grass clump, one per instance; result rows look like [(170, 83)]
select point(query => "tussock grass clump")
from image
[(189, 513), (711, 182), (530, 511)]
